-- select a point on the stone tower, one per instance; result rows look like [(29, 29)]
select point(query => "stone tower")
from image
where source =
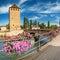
[(14, 13)]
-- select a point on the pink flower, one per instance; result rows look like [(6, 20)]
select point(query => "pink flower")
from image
[(8, 38), (17, 46), (18, 52), (28, 35), (5, 49), (5, 45)]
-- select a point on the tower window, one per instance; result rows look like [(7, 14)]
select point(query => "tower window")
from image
[(13, 24)]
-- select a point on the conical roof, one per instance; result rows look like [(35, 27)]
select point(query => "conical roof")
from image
[(14, 6)]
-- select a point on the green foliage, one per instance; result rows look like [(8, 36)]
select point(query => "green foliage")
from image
[(48, 24), (42, 26), (30, 23), (38, 23), (0, 28), (54, 26), (26, 23), (35, 22), (21, 26), (7, 26)]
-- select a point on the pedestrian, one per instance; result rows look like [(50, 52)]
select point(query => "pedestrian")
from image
[(36, 37)]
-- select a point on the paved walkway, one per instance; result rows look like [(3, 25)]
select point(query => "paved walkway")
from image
[(51, 52)]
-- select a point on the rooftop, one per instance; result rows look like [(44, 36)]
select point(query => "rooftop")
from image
[(14, 6)]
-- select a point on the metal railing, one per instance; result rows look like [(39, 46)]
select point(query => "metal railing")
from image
[(38, 44), (36, 47)]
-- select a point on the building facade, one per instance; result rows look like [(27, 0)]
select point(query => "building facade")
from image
[(35, 27), (14, 13), (3, 28)]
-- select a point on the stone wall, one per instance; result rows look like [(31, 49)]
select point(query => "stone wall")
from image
[(14, 18), (11, 33)]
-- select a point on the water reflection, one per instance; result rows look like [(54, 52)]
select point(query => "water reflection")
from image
[(1, 45)]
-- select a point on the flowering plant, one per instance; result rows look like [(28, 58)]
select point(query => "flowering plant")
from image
[(54, 33), (28, 35), (15, 45)]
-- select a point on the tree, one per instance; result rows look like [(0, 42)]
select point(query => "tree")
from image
[(26, 23), (21, 26), (38, 23), (0, 28), (48, 24), (31, 24), (7, 26), (54, 26), (42, 26), (35, 22)]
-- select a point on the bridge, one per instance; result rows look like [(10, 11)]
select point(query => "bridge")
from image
[(50, 51), (40, 31), (47, 48)]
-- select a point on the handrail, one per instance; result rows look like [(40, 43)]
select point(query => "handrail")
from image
[(36, 47)]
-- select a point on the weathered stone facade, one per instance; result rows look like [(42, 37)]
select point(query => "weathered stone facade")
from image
[(14, 13)]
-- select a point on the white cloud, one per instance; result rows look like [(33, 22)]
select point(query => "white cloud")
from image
[(4, 9), (22, 10), (37, 17), (34, 18), (52, 9), (21, 2), (39, 8), (54, 24), (35, 8), (57, 19), (52, 15), (57, 2)]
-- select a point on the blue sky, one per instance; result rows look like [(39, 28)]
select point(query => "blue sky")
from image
[(40, 10)]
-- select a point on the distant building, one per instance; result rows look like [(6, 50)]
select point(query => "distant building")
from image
[(3, 28), (35, 27), (14, 13)]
